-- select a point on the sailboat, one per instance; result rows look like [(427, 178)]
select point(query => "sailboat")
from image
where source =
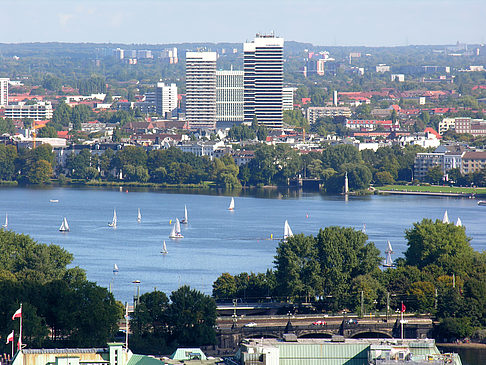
[(185, 219), (446, 218), (232, 204), (364, 228), (115, 269), (459, 222), (176, 230), (114, 221), (139, 216), (6, 221), (287, 231), (388, 260), (164, 249), (64, 226)]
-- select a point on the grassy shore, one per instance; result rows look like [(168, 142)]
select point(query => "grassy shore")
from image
[(433, 189)]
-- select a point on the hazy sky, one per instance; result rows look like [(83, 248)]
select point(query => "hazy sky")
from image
[(321, 22)]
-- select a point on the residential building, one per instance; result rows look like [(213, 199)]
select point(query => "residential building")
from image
[(201, 89), (476, 127), (446, 124), (370, 125), (382, 68), (119, 54), (425, 161), (263, 80), (473, 161), (4, 92), (229, 96), (288, 98), (398, 77), (202, 148), (165, 99), (170, 55), (243, 157), (316, 66), (41, 110), (144, 53), (316, 112)]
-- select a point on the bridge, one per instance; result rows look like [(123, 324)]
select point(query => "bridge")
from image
[(229, 338)]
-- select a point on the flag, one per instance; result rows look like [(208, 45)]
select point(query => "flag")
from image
[(403, 308), (19, 345), (17, 314), (10, 337)]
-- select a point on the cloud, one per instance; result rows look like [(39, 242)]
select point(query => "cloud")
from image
[(64, 19)]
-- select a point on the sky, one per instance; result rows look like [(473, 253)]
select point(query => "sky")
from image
[(321, 22)]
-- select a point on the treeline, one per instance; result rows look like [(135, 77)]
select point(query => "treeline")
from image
[(160, 324), (440, 274), (59, 306)]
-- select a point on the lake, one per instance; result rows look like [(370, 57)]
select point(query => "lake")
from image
[(216, 240)]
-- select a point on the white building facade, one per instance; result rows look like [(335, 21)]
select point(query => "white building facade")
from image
[(42, 110), (229, 96), (165, 99), (4, 92), (201, 89), (288, 98), (263, 81)]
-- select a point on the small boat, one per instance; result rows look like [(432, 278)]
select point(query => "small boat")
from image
[(139, 216), (232, 204), (458, 222), (64, 226), (176, 230), (5, 225), (185, 220), (388, 260), (445, 219), (364, 228), (114, 221), (482, 202), (115, 269), (164, 249), (54, 201), (287, 231)]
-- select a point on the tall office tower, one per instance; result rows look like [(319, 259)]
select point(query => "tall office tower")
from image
[(165, 99), (229, 96), (4, 92), (263, 80), (119, 53), (201, 89)]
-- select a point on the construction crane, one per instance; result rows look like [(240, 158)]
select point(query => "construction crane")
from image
[(303, 132), (34, 133)]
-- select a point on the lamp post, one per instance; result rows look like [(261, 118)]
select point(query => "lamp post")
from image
[(136, 296), (234, 316)]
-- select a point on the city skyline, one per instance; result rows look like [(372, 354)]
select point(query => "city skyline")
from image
[(327, 23)]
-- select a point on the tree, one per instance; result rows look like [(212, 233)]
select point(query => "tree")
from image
[(191, 317), (8, 155), (62, 116), (384, 178), (6, 126), (224, 287), (297, 267), (40, 172), (435, 174), (442, 244)]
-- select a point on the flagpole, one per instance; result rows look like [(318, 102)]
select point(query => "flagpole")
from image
[(401, 321), (126, 328), (20, 332), (13, 342)]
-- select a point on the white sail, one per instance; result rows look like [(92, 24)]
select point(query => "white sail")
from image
[(446, 218), (64, 226), (139, 216), (115, 269), (388, 260), (185, 220), (287, 231), (164, 248), (364, 228), (459, 222), (114, 221), (6, 221), (232, 204), (176, 230)]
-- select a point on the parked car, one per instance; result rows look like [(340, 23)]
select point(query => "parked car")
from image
[(319, 323), (352, 321), (250, 324)]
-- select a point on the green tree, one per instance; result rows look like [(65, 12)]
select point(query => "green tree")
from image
[(8, 155), (442, 244), (224, 287), (435, 174), (383, 178), (40, 172), (7, 126)]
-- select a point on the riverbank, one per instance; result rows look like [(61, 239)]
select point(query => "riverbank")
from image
[(453, 191), (463, 345)]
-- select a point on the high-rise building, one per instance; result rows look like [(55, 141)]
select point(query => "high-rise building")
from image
[(166, 99), (288, 98), (263, 80), (4, 92), (229, 96), (201, 89)]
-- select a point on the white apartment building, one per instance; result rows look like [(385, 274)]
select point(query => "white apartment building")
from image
[(202, 148), (4, 92), (263, 81), (288, 98), (229, 96), (446, 124), (165, 99), (41, 110), (316, 112), (201, 89)]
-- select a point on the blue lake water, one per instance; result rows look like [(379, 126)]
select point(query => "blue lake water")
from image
[(215, 240)]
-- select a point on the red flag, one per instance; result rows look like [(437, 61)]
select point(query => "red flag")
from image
[(10, 337), (19, 345), (403, 308), (17, 314)]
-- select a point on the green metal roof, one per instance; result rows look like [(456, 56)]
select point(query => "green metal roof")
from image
[(143, 360), (324, 353), (184, 354)]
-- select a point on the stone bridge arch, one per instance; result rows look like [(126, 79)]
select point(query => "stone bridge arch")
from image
[(371, 334), (315, 335)]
